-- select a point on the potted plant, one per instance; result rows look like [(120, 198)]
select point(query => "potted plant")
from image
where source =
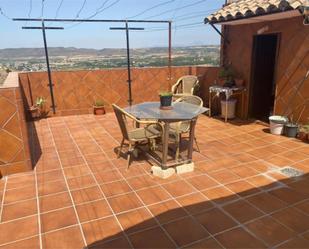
[(239, 82), (38, 110), (99, 107), (34, 111), (41, 105), (277, 124), (226, 77), (304, 133), (166, 100), (291, 129)]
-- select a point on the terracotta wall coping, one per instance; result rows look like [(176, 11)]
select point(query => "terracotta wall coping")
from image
[(118, 69), (11, 81)]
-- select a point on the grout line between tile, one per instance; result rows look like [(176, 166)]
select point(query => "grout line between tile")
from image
[(226, 213), (145, 206), (244, 198), (98, 184), (67, 185), (38, 209), (3, 196), (19, 240)]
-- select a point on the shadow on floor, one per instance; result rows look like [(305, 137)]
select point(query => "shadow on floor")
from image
[(231, 221), (238, 121), (34, 144)]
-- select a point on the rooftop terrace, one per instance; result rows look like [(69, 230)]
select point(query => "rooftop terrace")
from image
[(80, 194)]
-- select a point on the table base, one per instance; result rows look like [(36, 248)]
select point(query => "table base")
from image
[(155, 158), (162, 173), (185, 168), (166, 173)]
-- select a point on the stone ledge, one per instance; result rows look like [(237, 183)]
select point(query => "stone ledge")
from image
[(162, 173), (12, 80), (186, 168)]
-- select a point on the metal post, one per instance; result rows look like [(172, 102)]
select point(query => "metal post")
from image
[(220, 33), (48, 70), (170, 53), (129, 64), (127, 29)]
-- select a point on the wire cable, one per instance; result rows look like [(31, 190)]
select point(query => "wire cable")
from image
[(192, 13), (178, 28), (183, 26), (4, 15), (58, 9), (102, 6), (176, 9), (103, 9), (182, 18), (98, 11), (81, 9), (175, 12), (30, 9), (29, 12), (42, 8), (151, 8)]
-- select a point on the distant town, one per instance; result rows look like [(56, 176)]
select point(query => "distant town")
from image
[(62, 59)]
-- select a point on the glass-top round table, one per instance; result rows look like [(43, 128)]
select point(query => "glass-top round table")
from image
[(180, 111)]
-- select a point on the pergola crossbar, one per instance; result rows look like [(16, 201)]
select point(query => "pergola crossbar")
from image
[(88, 20)]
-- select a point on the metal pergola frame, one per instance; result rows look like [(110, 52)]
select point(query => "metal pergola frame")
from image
[(127, 28)]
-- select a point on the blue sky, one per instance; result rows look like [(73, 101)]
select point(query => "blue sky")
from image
[(182, 12)]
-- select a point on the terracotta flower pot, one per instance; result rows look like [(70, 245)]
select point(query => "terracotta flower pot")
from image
[(304, 136), (222, 81), (239, 82), (34, 112), (99, 110)]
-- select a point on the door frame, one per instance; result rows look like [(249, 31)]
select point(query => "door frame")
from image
[(253, 62)]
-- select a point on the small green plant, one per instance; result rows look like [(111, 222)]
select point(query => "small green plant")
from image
[(166, 94), (305, 128), (40, 102), (226, 73), (99, 103)]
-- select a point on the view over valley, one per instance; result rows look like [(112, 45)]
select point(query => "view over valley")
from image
[(33, 59)]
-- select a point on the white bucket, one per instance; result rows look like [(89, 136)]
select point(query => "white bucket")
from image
[(277, 124), (231, 108)]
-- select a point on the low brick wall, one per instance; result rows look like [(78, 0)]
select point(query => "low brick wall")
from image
[(76, 91), (14, 142)]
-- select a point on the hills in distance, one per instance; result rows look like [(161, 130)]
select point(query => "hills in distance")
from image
[(11, 53)]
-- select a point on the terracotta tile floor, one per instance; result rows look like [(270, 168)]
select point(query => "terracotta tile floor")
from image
[(80, 194)]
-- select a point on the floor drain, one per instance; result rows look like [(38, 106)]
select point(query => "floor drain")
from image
[(291, 172)]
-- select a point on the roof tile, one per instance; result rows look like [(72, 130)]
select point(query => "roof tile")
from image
[(247, 8)]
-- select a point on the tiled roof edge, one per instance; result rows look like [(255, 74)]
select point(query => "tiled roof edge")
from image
[(243, 9)]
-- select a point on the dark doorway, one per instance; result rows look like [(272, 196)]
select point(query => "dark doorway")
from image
[(263, 76)]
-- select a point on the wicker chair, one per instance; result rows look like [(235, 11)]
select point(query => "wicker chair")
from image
[(148, 133), (185, 85), (179, 128)]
